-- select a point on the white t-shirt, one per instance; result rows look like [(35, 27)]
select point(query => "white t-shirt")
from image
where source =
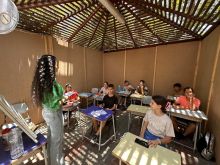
[(159, 125), (103, 91)]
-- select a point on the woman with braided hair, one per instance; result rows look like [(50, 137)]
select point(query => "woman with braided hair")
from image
[(48, 94)]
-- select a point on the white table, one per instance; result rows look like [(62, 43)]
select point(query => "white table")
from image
[(137, 110), (69, 108), (195, 116), (131, 153), (86, 95), (142, 98), (124, 94), (98, 98)]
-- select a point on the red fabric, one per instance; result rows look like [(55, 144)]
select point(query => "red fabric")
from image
[(184, 103), (73, 95)]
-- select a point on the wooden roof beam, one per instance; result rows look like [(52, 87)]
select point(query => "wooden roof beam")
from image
[(164, 19), (131, 36), (116, 44), (94, 32), (26, 6), (105, 29), (84, 23), (142, 22)]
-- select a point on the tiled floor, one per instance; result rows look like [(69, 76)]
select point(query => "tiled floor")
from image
[(81, 152)]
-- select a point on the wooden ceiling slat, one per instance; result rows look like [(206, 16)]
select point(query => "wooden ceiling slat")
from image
[(201, 8), (145, 25), (211, 14), (169, 10), (23, 6), (172, 23), (68, 16), (84, 23)]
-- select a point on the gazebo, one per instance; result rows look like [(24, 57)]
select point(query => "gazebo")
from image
[(160, 42)]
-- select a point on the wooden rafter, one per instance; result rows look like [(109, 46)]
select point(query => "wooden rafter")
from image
[(131, 36), (164, 19), (116, 44), (141, 21), (105, 29), (25, 6), (84, 23), (68, 16), (93, 34)]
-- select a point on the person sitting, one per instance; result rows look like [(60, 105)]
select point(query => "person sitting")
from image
[(71, 94), (188, 101), (72, 97), (142, 88), (104, 89), (177, 90), (127, 88), (157, 127), (110, 102)]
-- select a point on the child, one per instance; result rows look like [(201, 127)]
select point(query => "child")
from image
[(188, 101), (142, 88), (157, 127), (47, 94), (127, 88), (177, 89), (72, 95), (104, 89), (110, 102)]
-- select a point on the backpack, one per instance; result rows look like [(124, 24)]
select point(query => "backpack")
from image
[(205, 146)]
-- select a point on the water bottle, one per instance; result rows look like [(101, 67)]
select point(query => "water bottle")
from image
[(16, 143), (119, 88)]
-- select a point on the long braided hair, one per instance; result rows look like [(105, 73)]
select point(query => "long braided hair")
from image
[(43, 78)]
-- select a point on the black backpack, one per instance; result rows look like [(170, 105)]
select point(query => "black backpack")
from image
[(205, 146)]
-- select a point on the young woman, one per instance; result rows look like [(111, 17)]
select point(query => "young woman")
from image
[(142, 88), (157, 127), (72, 95), (47, 94), (104, 90)]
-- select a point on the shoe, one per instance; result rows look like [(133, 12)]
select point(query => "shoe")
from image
[(95, 139)]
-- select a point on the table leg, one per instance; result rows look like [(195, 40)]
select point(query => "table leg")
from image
[(200, 127), (94, 101), (113, 120), (100, 136), (68, 117), (129, 121), (125, 101), (87, 102), (195, 138), (45, 154)]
